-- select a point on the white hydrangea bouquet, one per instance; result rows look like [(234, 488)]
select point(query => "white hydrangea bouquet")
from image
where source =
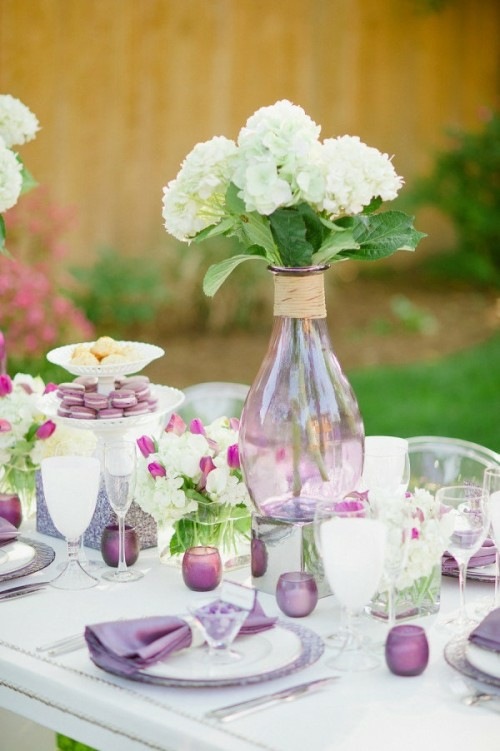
[(289, 198), (18, 125), (190, 482), (418, 585)]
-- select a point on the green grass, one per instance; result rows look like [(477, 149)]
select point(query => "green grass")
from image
[(457, 397)]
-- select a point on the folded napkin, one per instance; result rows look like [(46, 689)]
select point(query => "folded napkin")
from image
[(484, 556), (128, 646), (7, 531), (487, 634)]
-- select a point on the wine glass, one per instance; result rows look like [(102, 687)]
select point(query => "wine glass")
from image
[(351, 544), (469, 525), (386, 466), (220, 618), (70, 485), (491, 486), (119, 477)]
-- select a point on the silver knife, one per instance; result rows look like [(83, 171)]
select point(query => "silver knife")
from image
[(234, 711), (21, 590)]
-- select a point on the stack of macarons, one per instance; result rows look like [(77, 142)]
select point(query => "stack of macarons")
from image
[(80, 399)]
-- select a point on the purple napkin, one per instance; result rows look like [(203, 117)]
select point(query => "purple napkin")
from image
[(484, 556), (487, 634), (128, 646), (7, 531)]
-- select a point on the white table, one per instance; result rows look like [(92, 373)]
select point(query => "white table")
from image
[(70, 695)]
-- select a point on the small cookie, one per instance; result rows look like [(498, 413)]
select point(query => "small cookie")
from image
[(103, 347), (110, 413)]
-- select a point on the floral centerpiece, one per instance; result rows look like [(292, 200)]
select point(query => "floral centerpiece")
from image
[(190, 482), (418, 586), (18, 125), (23, 426)]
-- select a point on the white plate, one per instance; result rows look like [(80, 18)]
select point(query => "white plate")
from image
[(484, 660), (18, 556), (261, 653), (146, 353), (168, 400)]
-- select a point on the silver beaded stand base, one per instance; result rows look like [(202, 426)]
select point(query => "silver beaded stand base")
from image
[(279, 546)]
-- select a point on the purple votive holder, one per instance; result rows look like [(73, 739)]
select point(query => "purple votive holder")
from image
[(110, 545), (407, 650), (11, 509), (202, 568), (297, 593)]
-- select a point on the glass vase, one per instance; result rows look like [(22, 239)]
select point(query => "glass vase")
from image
[(301, 433), (22, 482), (421, 598)]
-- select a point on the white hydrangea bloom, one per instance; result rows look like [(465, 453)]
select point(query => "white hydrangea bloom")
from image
[(18, 124), (11, 180), (225, 488), (355, 174), (195, 199)]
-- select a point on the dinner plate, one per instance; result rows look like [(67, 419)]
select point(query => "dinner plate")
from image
[(457, 655), (476, 573), (40, 557), (19, 554), (282, 650), (144, 354), (484, 660)]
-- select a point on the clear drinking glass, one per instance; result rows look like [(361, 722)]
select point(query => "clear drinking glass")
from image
[(469, 524), (386, 466), (119, 477), (491, 487), (351, 544), (70, 486)]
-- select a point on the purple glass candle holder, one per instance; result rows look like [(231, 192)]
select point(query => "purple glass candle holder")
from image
[(296, 593), (202, 568), (11, 509), (110, 545), (407, 650)]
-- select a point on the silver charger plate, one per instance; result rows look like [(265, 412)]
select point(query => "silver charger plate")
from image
[(455, 656), (44, 555), (306, 648)]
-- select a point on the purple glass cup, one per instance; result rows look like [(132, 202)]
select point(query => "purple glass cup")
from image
[(202, 568), (296, 593), (407, 650), (110, 547), (11, 509)]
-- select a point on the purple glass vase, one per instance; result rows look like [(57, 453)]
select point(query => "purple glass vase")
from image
[(11, 508), (110, 545), (301, 433), (296, 593), (407, 650), (202, 568)]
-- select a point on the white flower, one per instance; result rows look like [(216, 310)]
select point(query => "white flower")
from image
[(18, 124), (195, 199), (11, 180), (355, 174)]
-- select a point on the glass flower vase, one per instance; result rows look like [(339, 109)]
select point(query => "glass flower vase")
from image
[(301, 434), (22, 482), (422, 597)]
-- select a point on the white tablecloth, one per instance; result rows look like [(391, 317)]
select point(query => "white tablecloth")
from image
[(359, 711)]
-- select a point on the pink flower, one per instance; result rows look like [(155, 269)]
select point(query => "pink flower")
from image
[(176, 425), (415, 534), (5, 426), (206, 466), (196, 426), (45, 430), (156, 469), (5, 385), (50, 387), (234, 423), (146, 445), (233, 456)]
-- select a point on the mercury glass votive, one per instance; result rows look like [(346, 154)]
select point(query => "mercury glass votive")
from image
[(296, 593), (11, 509), (202, 568), (407, 650), (110, 545)]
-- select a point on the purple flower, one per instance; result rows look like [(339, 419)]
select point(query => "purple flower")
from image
[(176, 425), (45, 430), (415, 534), (196, 426), (156, 469), (233, 456), (206, 466), (50, 387), (5, 426), (146, 445), (5, 384)]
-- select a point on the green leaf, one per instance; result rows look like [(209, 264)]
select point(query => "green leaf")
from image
[(3, 249), (218, 272), (381, 235), (29, 181), (333, 245), (289, 231), (224, 227)]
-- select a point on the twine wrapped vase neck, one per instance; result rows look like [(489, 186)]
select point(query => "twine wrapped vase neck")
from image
[(299, 292)]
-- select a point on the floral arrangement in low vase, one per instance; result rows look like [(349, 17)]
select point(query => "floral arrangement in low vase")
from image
[(298, 204), (417, 588), (18, 125), (190, 482), (23, 428)]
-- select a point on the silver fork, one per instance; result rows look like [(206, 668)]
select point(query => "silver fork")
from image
[(63, 646)]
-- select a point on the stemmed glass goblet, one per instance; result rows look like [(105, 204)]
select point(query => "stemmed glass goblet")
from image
[(491, 487), (351, 544), (469, 525), (119, 477), (70, 486)]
